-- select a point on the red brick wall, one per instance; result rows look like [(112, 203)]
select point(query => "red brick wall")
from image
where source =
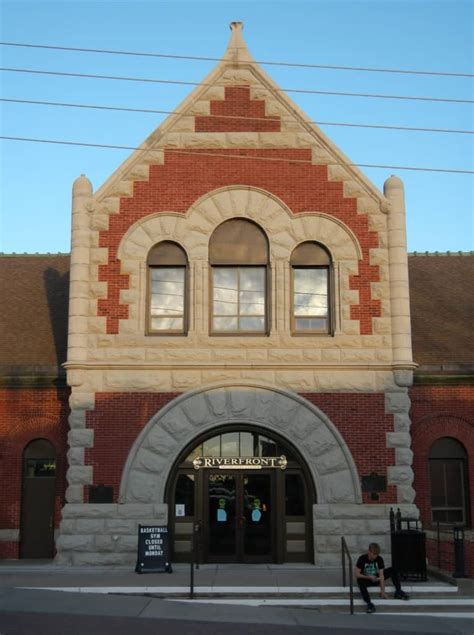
[(441, 555), (436, 412), (25, 415), (249, 114), (362, 422), (118, 418)]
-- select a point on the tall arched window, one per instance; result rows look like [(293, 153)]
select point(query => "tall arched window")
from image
[(167, 289), (448, 482), (238, 254), (311, 289)]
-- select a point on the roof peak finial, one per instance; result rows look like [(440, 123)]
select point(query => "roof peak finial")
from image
[(237, 49)]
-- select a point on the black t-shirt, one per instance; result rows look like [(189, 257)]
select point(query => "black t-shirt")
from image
[(370, 567)]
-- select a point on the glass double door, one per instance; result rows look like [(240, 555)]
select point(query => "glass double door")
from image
[(240, 516)]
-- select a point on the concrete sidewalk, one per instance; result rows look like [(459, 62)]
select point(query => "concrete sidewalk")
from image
[(296, 577)]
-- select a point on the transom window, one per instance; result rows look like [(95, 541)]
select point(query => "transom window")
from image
[(310, 267), (167, 271), (448, 482), (240, 443), (238, 254)]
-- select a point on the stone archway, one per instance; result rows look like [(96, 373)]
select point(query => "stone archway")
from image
[(163, 439)]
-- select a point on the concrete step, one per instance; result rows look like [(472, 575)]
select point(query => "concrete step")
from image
[(218, 591)]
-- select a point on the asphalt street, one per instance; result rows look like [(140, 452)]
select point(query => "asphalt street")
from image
[(36, 612)]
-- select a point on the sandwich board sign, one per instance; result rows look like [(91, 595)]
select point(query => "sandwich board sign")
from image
[(153, 550)]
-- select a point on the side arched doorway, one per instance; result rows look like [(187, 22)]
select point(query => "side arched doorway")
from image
[(250, 494), (37, 502)]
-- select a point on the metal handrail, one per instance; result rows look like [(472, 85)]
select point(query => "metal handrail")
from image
[(345, 552)]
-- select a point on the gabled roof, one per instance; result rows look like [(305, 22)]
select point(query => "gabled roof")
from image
[(34, 311), (237, 58), (442, 310), (34, 292)]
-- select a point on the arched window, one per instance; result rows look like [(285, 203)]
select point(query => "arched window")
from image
[(448, 481), (167, 284), (311, 289), (238, 254)]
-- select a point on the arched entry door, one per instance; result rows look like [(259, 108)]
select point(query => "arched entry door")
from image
[(37, 505), (250, 494)]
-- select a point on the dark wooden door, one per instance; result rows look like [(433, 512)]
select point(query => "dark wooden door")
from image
[(239, 517), (37, 508)]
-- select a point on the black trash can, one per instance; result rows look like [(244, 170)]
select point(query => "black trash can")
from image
[(409, 554)]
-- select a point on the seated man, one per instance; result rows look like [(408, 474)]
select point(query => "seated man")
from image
[(370, 571)]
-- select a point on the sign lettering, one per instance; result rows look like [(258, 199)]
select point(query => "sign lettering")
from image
[(240, 462), (153, 550)]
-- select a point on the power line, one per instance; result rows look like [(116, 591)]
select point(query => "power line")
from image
[(363, 69), (198, 153), (188, 83), (232, 117)]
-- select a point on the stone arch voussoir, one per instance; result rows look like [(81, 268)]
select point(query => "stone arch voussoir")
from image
[(161, 442)]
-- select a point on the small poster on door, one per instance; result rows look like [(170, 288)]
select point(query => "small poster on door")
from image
[(179, 510)]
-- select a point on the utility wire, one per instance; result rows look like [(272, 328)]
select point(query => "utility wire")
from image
[(187, 83), (198, 153), (362, 69), (231, 117)]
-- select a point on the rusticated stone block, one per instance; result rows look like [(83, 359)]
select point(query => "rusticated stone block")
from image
[(398, 440), (83, 438), (74, 494), (105, 543), (121, 526), (397, 402), (134, 510), (403, 456), (80, 475), (405, 494), (74, 543), (400, 475), (90, 525), (75, 456)]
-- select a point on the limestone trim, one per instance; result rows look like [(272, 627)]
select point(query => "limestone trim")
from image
[(175, 427), (257, 204), (401, 474), (93, 365)]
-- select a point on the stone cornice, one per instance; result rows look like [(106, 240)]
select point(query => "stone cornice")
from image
[(175, 365)]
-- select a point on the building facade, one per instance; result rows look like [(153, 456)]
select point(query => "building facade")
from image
[(239, 349)]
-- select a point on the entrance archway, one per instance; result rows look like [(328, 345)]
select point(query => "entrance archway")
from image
[(250, 495), (276, 413)]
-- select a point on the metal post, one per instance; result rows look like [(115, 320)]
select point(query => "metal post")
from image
[(438, 536), (351, 586), (191, 576), (459, 570), (343, 558)]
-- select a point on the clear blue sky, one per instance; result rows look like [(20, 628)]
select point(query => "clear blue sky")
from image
[(36, 179)]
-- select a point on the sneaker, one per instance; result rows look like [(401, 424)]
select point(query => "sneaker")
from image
[(370, 608), (401, 595)]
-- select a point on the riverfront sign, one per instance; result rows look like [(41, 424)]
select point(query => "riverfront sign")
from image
[(240, 462)]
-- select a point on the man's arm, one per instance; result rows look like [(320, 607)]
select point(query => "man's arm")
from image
[(360, 576)]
